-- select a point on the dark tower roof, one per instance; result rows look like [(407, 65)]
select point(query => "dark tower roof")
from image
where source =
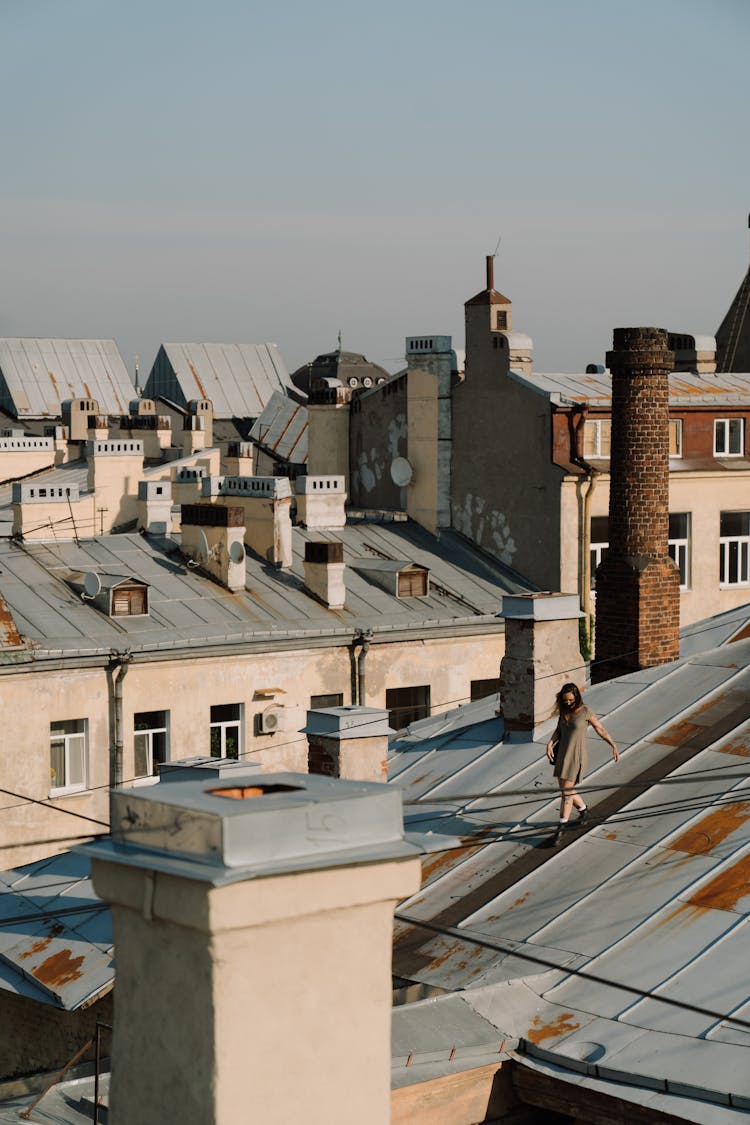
[(351, 368), (733, 336)]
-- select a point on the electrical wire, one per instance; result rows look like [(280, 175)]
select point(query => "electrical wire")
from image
[(583, 974)]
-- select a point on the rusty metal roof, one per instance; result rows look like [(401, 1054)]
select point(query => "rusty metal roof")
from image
[(56, 934), (37, 376), (239, 379), (653, 900), (282, 429), (686, 388)]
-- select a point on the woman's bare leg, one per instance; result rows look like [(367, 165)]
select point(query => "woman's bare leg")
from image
[(569, 798)]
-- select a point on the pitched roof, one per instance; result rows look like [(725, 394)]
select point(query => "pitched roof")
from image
[(571, 952), (37, 376), (186, 608), (733, 335), (239, 379), (282, 429), (686, 388)]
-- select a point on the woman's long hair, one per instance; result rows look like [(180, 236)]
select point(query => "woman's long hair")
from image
[(574, 690)]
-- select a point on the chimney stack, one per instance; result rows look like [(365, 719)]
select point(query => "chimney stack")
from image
[(541, 654), (324, 572), (490, 272), (348, 742), (638, 584), (253, 922)]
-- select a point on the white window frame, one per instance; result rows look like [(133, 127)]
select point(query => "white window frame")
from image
[(223, 726), (598, 425), (677, 423), (680, 549), (148, 734), (74, 742), (725, 427), (740, 543)]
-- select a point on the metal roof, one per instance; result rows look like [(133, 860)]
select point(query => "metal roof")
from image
[(37, 376), (686, 388), (186, 608), (653, 899), (282, 429), (239, 379), (55, 933)]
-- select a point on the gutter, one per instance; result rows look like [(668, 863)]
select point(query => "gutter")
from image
[(58, 660)]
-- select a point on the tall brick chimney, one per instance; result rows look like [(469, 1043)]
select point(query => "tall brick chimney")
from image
[(638, 585)]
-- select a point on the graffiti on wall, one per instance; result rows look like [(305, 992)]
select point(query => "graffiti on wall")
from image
[(485, 526)]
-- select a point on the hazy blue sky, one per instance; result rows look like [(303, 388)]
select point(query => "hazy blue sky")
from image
[(239, 171)]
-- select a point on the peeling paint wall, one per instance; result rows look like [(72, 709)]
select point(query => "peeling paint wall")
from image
[(378, 434)]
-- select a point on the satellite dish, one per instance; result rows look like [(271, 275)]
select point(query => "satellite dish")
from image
[(401, 472), (237, 552), (353, 381), (203, 551), (367, 381), (92, 584)]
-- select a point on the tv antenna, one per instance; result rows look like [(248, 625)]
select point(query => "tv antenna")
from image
[(497, 246)]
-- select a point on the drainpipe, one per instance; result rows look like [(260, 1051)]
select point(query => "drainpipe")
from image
[(120, 662), (365, 642), (362, 639), (592, 474)]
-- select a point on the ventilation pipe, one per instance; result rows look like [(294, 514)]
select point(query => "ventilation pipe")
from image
[(592, 474)]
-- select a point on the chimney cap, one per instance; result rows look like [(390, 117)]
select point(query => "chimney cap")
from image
[(347, 722), (232, 831), (542, 606)]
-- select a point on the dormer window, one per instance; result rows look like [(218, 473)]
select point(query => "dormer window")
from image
[(412, 582), (130, 600)]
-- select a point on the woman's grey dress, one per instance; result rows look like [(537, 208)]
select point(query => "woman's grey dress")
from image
[(570, 736)]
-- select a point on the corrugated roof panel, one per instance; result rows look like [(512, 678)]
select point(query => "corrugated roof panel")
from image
[(41, 374), (239, 379)]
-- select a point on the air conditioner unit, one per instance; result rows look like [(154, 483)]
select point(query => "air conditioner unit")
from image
[(271, 720)]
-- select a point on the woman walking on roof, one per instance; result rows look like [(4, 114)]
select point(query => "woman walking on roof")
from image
[(567, 750)]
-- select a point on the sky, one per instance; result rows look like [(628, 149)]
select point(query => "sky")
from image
[(243, 172)]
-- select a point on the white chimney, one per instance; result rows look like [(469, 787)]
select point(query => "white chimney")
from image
[(324, 573), (213, 537), (321, 501), (253, 923)]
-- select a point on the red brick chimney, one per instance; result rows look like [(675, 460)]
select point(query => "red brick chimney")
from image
[(638, 585)]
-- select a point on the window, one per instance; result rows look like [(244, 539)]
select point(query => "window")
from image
[(333, 699), (734, 548), (728, 437), (226, 730), (599, 547), (480, 689), (679, 545), (412, 583), (129, 601), (67, 757), (675, 437), (502, 321), (597, 437), (151, 742), (406, 705)]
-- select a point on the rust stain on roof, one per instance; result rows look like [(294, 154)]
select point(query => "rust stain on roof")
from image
[(201, 388), (449, 952), (683, 730), (539, 1031), (86, 389), (54, 383), (702, 837), (40, 945), (727, 889), (59, 969), (9, 634), (742, 635), (738, 746), (446, 860), (520, 900)]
